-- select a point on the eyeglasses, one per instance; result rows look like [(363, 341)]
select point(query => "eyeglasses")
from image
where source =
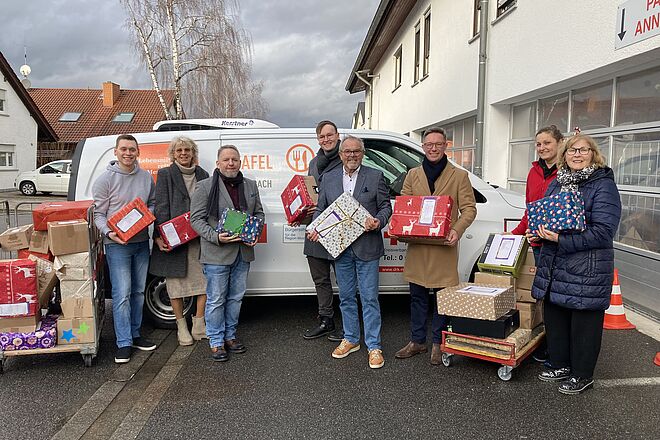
[(573, 151), (352, 152), (183, 150), (430, 145), (326, 136)]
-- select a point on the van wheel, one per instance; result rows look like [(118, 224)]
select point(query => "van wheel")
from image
[(157, 306), (28, 188)]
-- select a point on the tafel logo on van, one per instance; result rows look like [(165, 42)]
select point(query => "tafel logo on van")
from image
[(154, 157), (298, 157)]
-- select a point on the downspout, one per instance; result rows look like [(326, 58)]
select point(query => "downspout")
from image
[(358, 74), (481, 88)]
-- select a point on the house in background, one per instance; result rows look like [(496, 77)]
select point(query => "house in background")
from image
[(77, 114), (22, 126)]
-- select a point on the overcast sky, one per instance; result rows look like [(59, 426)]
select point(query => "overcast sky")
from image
[(303, 50)]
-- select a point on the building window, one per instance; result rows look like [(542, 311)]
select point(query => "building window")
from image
[(638, 98), (6, 156), (504, 5), (3, 102), (592, 107), (123, 117), (397, 68), (427, 43), (70, 117), (476, 18), (417, 49), (461, 142), (554, 111)]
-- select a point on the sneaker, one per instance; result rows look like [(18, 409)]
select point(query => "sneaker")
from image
[(123, 355), (376, 359), (143, 344), (336, 335), (235, 346), (575, 385), (555, 375), (344, 349), (219, 354)]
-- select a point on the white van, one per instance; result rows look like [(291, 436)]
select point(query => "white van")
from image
[(272, 156)]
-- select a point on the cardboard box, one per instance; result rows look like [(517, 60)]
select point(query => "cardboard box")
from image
[(44, 337), (46, 280), (503, 254), (76, 289), (75, 330), (496, 279), (73, 266), (299, 196), (27, 324), (499, 328), (421, 216), (531, 314), (524, 295), (526, 277), (245, 226), (18, 288), (177, 231), (59, 211), (479, 301), (39, 242), (17, 238), (68, 237), (73, 307), (131, 219), (340, 224), (529, 258), (558, 212)]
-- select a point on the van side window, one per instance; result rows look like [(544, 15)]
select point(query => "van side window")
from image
[(393, 160)]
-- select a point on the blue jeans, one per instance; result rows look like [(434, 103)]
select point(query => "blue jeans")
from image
[(128, 265), (353, 273), (225, 288)]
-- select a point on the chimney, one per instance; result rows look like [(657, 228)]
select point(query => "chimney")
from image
[(110, 93)]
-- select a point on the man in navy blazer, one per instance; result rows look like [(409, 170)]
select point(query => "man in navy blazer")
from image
[(357, 266)]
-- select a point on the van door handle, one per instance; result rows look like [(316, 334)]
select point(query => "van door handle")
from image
[(469, 236)]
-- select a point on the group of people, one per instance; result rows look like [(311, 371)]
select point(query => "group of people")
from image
[(574, 275)]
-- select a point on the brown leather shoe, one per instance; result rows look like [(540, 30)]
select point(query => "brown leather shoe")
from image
[(410, 350), (235, 346), (436, 355)]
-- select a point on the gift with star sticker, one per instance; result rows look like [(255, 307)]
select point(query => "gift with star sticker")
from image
[(177, 231)]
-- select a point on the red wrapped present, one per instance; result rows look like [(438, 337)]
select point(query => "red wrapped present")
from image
[(25, 253), (421, 216), (18, 288), (177, 231), (59, 211), (298, 197), (131, 219)]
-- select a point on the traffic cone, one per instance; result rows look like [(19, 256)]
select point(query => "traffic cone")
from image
[(615, 315), (657, 359)]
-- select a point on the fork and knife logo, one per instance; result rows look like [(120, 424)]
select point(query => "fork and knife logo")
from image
[(298, 157)]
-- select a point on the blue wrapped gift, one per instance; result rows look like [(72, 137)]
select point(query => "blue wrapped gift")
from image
[(234, 222), (558, 212)]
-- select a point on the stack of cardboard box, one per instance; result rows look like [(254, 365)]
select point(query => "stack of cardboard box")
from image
[(531, 312), (76, 324)]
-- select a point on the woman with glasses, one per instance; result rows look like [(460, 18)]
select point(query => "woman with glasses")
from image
[(180, 266), (575, 269)]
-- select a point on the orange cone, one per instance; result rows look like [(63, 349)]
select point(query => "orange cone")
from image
[(615, 315), (657, 359)]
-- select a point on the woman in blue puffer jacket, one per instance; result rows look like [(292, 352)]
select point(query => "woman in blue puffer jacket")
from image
[(575, 269)]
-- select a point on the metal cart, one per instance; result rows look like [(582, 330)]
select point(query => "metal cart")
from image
[(87, 350), (488, 349)]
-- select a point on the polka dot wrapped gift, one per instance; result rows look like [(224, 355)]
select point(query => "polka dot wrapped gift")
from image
[(44, 337), (558, 212)]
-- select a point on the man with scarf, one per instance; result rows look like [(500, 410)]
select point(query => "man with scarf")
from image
[(432, 264), (318, 259), (225, 258)]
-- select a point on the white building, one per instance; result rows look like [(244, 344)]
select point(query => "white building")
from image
[(21, 124), (548, 62)]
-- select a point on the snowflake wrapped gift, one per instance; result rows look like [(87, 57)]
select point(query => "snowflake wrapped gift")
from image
[(558, 212)]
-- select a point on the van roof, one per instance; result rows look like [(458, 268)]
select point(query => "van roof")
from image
[(211, 124)]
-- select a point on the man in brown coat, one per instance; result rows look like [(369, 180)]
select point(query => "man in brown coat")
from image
[(432, 264)]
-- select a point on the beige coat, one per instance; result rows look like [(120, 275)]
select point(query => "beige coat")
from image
[(429, 263)]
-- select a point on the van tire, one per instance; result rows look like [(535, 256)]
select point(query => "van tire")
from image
[(157, 308)]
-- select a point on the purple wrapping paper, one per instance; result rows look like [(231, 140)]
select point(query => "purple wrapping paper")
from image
[(558, 212), (44, 337)]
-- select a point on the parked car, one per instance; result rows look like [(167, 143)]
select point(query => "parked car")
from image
[(50, 178), (272, 156)]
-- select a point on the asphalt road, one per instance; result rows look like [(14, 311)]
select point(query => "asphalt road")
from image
[(285, 387)]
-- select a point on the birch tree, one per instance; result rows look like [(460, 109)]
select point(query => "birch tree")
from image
[(198, 49)]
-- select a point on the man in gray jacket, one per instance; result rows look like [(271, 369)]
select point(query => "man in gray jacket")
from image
[(226, 259), (122, 182)]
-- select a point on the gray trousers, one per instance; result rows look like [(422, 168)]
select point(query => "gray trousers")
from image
[(319, 268)]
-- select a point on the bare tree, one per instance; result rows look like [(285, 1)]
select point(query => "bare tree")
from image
[(198, 49)]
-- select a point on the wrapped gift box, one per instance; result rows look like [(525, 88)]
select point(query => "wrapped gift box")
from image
[(68, 237), (421, 216), (340, 224), (25, 324), (76, 289), (44, 337), (234, 222), (531, 314), (59, 211), (18, 288), (298, 197), (131, 219), (520, 337), (500, 328), (73, 266), (558, 212), (503, 254), (177, 231), (46, 280), (479, 301), (492, 278), (75, 330), (16, 238)]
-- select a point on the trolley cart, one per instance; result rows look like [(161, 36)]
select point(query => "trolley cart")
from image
[(96, 260), (488, 349)]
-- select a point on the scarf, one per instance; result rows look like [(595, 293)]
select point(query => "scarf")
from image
[(213, 203), (325, 158), (570, 180), (433, 170), (547, 171)]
